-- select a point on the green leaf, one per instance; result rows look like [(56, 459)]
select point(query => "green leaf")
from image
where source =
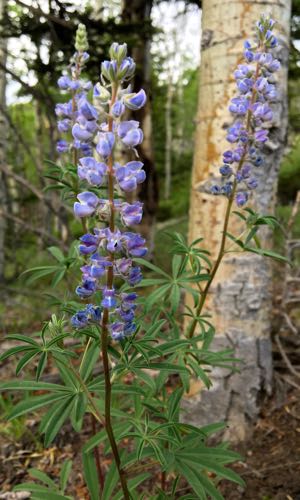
[(41, 476), (91, 475), (56, 418), (22, 338), (90, 359), (29, 385), (26, 359), (64, 474), (39, 492), (111, 481), (34, 403), (151, 266), (169, 367), (14, 350), (268, 253), (41, 365), (58, 276), (57, 253), (193, 480)]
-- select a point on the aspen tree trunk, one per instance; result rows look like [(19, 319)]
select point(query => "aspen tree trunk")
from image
[(138, 12), (3, 139), (241, 297)]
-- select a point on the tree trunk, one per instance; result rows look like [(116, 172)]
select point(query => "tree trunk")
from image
[(3, 139), (241, 297), (138, 12)]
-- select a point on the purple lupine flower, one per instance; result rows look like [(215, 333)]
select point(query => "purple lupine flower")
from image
[(226, 170), (130, 175), (91, 170), (86, 109), (62, 146), (135, 276), (126, 69), (118, 109), (105, 143), (252, 183), (109, 298), (87, 288), (81, 133), (261, 135), (64, 125), (135, 244), (64, 82), (102, 245), (99, 265), (241, 199), (130, 133), (79, 320), (87, 204), (89, 244), (135, 101), (131, 214), (64, 109), (262, 111)]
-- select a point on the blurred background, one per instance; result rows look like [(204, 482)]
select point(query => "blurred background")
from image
[(165, 38)]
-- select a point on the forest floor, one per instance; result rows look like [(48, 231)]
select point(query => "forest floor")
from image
[(271, 468)]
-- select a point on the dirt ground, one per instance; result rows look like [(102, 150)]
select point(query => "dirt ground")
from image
[(271, 467)]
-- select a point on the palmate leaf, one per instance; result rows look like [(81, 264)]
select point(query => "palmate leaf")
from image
[(55, 418)]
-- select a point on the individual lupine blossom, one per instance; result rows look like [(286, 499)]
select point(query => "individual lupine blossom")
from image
[(107, 247), (253, 114)]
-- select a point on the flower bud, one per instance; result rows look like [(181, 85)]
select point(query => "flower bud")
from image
[(81, 42), (118, 52), (101, 93)]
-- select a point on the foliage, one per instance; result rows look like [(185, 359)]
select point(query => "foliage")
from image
[(136, 399)]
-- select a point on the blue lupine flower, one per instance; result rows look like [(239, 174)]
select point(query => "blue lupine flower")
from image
[(64, 125), (87, 288), (241, 199), (135, 244), (130, 175), (117, 109), (135, 101), (109, 298), (87, 205), (131, 214), (62, 146), (105, 143), (64, 82), (130, 133), (91, 170)]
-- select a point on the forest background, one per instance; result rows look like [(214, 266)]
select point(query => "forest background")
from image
[(36, 45)]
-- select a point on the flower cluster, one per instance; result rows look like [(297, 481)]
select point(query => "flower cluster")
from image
[(252, 111), (96, 129)]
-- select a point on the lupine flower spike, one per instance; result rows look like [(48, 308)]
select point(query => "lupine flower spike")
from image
[(96, 129), (255, 83)]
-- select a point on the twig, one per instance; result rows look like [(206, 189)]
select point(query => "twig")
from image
[(290, 324), (41, 232), (285, 358)]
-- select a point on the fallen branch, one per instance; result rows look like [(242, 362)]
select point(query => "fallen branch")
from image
[(41, 232), (285, 358)]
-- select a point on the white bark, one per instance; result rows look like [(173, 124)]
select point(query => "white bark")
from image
[(241, 297)]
